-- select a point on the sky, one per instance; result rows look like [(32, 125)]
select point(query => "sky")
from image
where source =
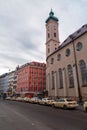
[(22, 28)]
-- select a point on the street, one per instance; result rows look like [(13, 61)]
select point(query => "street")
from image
[(25, 116)]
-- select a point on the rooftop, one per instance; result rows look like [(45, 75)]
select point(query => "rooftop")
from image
[(75, 35)]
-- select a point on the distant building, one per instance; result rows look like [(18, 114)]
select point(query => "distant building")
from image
[(15, 78), (66, 70), (31, 78), (12, 83), (4, 79)]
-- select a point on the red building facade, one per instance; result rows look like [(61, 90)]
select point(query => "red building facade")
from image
[(31, 78)]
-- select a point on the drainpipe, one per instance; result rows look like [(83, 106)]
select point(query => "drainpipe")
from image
[(77, 73)]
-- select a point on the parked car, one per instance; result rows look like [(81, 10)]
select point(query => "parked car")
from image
[(27, 99), (65, 103), (85, 106), (21, 99), (34, 100), (13, 98), (46, 101), (8, 98)]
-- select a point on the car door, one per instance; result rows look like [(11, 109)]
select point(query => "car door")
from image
[(57, 103), (61, 103)]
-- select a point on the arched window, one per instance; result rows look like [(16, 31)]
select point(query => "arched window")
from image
[(79, 46), (70, 75), (67, 52), (59, 57), (48, 50), (54, 34), (83, 70), (48, 35), (52, 60), (60, 78)]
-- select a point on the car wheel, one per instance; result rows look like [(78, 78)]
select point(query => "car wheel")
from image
[(65, 107), (53, 105), (45, 103), (86, 109)]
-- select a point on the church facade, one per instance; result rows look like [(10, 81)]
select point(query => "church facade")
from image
[(66, 63)]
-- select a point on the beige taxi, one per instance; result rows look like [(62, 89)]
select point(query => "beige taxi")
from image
[(46, 101), (65, 103)]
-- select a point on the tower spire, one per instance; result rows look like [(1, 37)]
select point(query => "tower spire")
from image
[(51, 16), (51, 13)]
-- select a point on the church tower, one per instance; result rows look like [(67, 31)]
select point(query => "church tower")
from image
[(52, 33)]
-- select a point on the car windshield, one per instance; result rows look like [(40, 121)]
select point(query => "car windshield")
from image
[(69, 100), (49, 99), (60, 100)]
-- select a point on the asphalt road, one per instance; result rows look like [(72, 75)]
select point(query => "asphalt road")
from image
[(25, 116)]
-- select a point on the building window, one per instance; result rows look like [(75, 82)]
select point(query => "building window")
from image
[(48, 35), (54, 27), (83, 70), (54, 34), (59, 57), (48, 50), (70, 75), (79, 46), (53, 80), (47, 64), (52, 60), (60, 78), (67, 52)]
